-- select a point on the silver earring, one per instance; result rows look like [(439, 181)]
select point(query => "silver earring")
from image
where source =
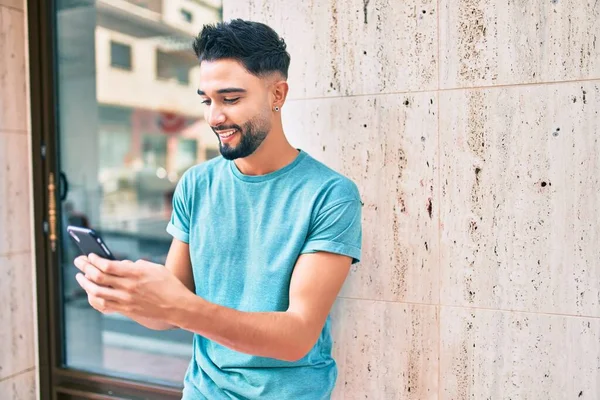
[(276, 108)]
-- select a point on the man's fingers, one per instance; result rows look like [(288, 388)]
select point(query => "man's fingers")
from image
[(80, 262), (102, 292), (95, 275), (104, 265), (105, 306), (99, 304), (117, 268)]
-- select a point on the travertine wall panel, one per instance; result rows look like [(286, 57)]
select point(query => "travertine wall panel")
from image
[(17, 334), (488, 354), (388, 146), (500, 42), (520, 204), (352, 47)]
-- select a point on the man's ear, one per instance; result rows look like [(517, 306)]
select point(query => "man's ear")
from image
[(279, 91)]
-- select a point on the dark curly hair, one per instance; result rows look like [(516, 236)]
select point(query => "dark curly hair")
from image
[(255, 45)]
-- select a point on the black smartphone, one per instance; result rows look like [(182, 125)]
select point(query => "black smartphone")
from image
[(88, 241)]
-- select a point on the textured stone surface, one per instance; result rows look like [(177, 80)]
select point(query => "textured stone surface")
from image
[(488, 354), (17, 343), (492, 42), (385, 350), (15, 180), (13, 106), (387, 145), (17, 4), (20, 387), (16, 314), (352, 47), (520, 172)]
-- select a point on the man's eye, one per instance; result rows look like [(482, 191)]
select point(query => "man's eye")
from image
[(207, 102), (231, 101)]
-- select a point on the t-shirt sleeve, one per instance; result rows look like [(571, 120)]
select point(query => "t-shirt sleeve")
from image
[(337, 229), (179, 225)]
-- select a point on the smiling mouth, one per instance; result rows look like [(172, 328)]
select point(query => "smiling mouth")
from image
[(227, 133)]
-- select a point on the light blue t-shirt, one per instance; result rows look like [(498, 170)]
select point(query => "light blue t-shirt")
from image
[(245, 235)]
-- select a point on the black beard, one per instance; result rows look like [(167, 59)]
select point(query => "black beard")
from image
[(251, 138)]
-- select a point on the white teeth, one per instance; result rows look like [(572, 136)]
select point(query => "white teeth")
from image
[(227, 135)]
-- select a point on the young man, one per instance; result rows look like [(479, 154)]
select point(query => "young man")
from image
[(263, 239)]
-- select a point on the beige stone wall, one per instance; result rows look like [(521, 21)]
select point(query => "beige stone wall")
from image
[(17, 322), (471, 128)]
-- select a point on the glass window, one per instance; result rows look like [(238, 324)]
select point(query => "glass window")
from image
[(186, 15), (120, 55), (154, 151), (123, 146), (171, 67), (187, 154)]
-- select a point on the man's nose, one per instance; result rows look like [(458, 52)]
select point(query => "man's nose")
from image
[(216, 117)]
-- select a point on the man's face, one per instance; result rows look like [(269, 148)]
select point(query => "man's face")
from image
[(237, 106)]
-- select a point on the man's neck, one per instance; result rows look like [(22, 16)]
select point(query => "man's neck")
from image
[(273, 154)]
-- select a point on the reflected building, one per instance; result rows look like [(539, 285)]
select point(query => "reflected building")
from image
[(130, 123), (129, 86)]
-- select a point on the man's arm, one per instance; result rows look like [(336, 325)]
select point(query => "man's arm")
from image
[(290, 335), (180, 265)]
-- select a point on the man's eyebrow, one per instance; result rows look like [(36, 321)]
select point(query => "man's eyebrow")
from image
[(225, 91)]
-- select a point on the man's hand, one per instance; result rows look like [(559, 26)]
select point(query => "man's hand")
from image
[(135, 289)]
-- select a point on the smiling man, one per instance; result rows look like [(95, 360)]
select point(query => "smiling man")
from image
[(263, 239)]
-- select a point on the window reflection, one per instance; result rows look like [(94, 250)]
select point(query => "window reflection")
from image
[(130, 124), (120, 55)]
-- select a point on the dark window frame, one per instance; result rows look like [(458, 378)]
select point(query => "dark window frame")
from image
[(187, 15), (114, 45), (172, 77), (56, 381)]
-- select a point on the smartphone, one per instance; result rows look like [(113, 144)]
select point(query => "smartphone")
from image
[(88, 241)]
